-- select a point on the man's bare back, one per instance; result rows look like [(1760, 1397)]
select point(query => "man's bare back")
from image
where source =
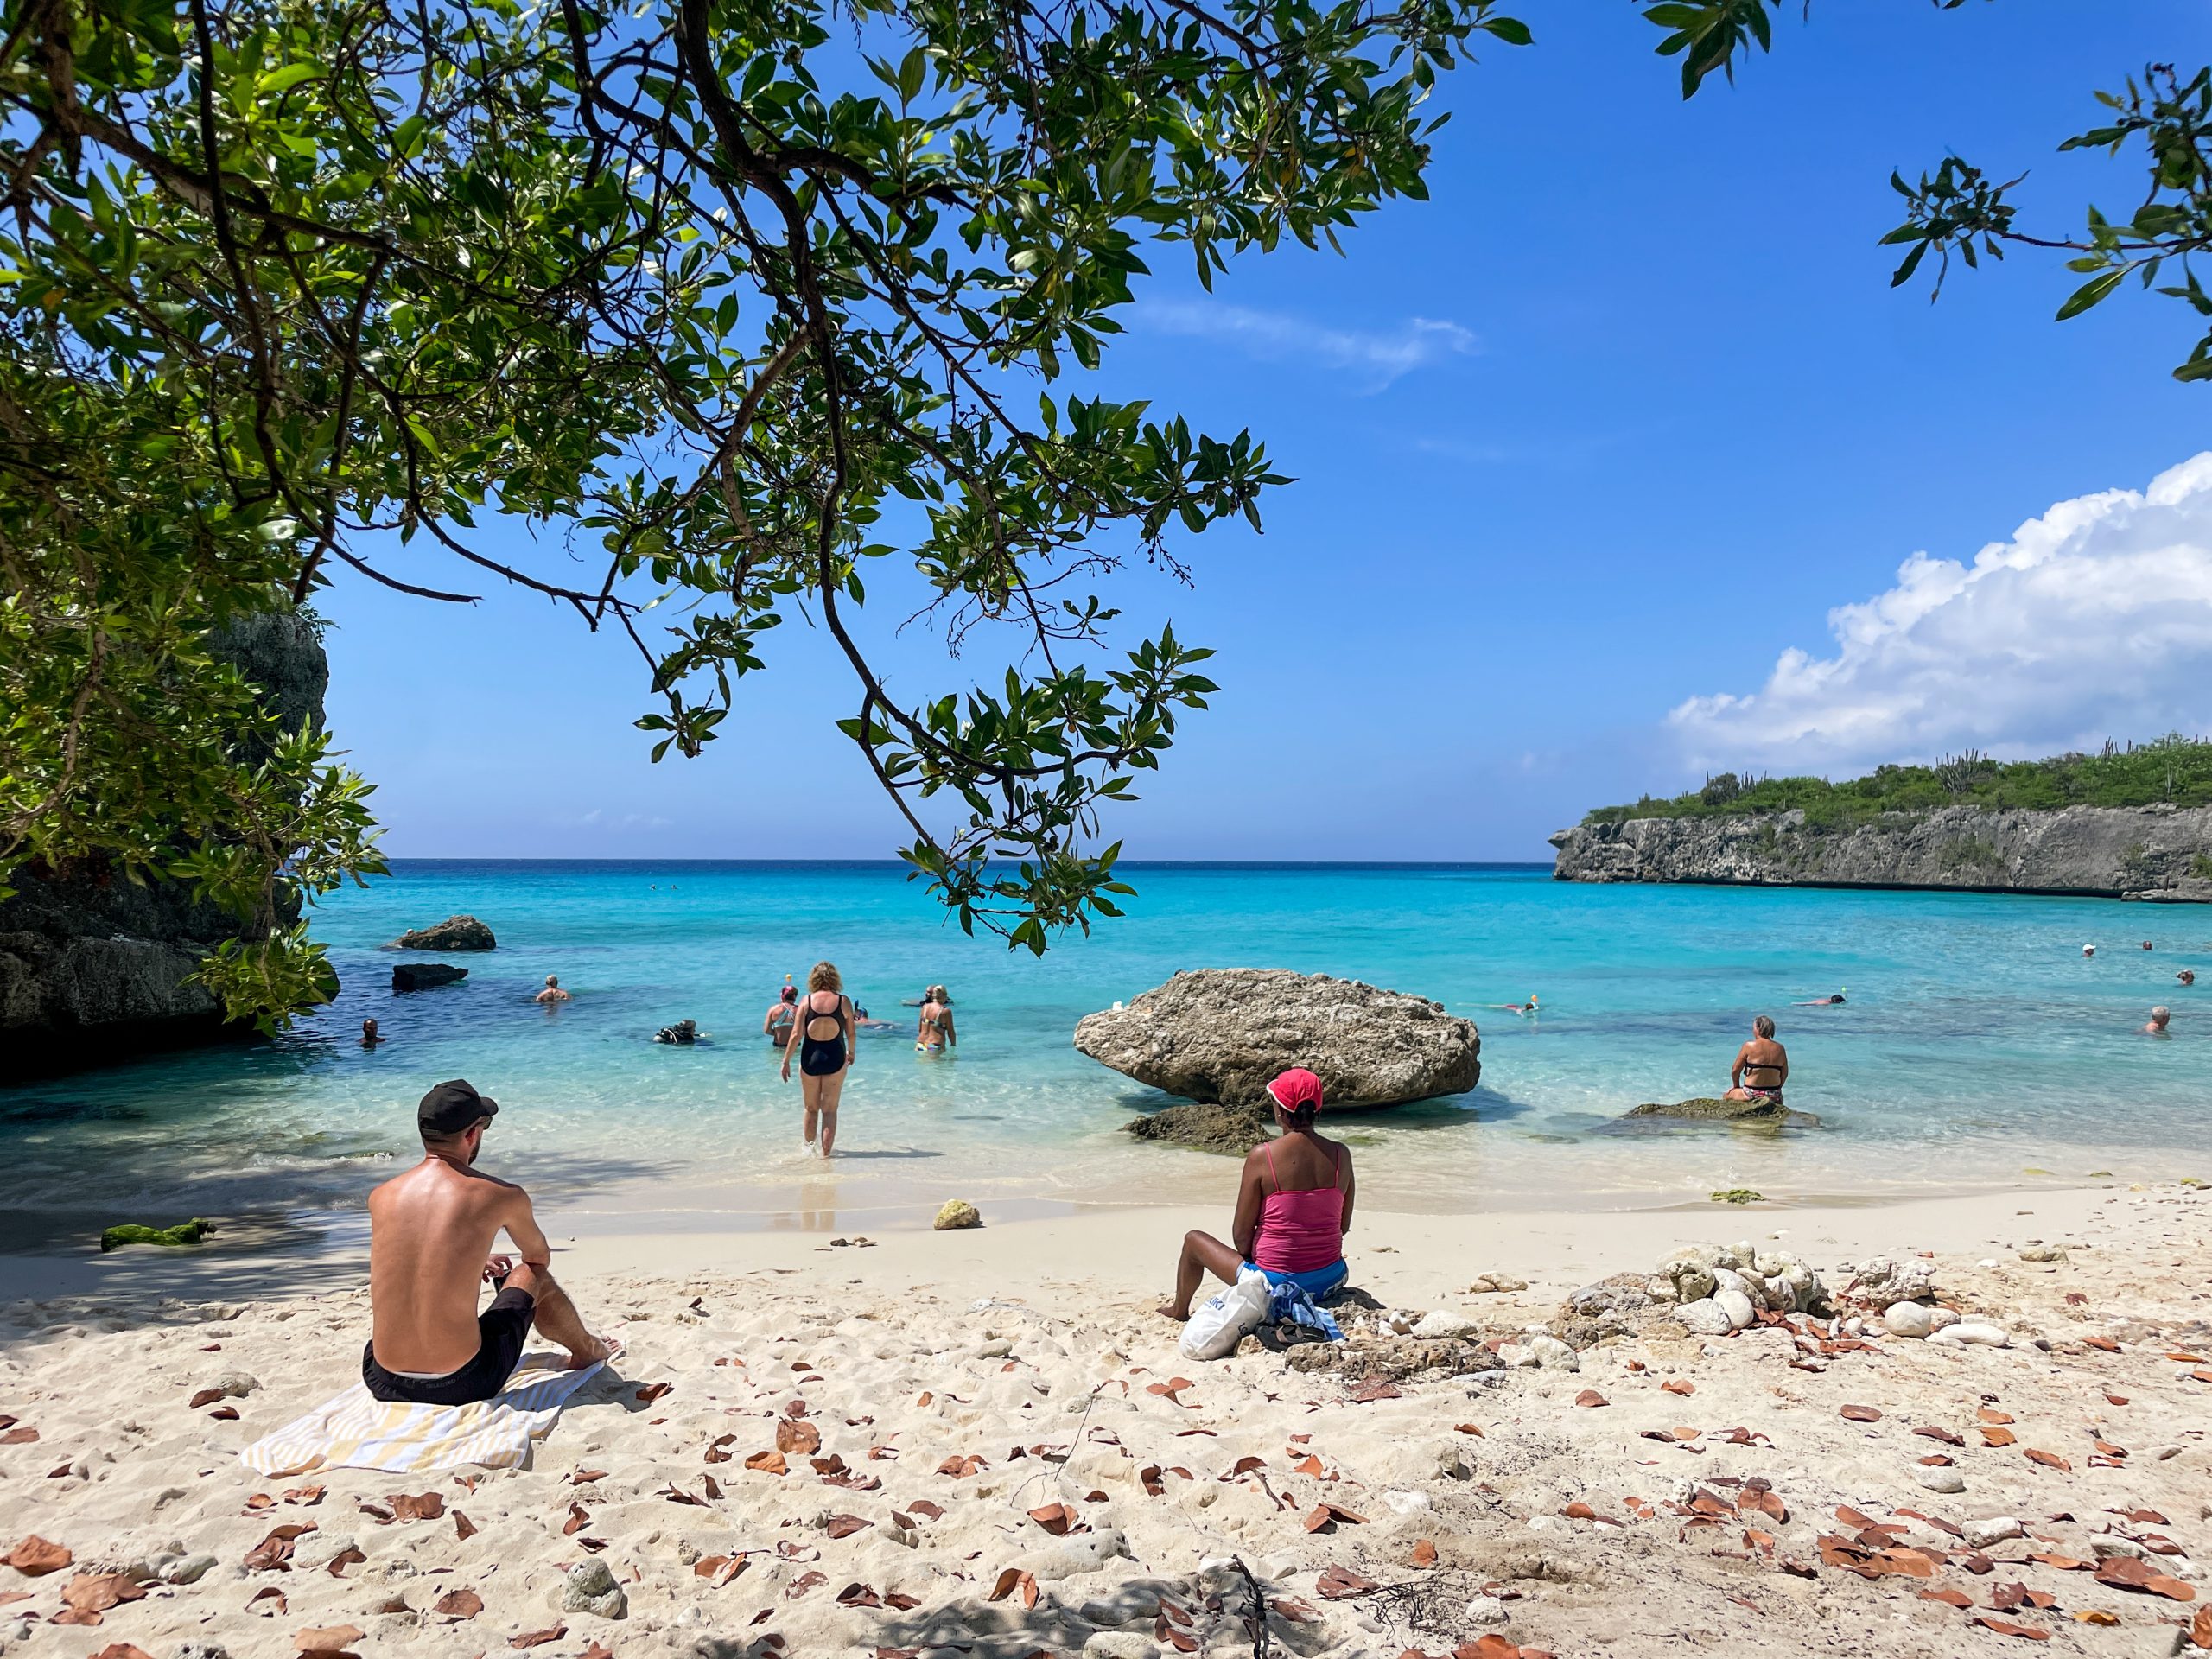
[(430, 1237)]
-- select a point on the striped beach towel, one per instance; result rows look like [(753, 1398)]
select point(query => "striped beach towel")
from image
[(355, 1430)]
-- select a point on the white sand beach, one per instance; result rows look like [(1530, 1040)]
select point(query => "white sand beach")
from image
[(946, 1417)]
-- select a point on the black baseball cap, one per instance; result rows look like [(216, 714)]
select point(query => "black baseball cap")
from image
[(452, 1106)]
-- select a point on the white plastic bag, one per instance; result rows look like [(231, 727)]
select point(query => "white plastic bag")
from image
[(1213, 1330)]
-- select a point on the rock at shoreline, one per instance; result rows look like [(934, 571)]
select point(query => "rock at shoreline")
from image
[(422, 976), (1232, 1130), (1223, 1033), (131, 1233), (956, 1214), (1707, 1109), (1712, 1109), (455, 933)]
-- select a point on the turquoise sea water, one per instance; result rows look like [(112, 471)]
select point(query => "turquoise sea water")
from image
[(1976, 1043)]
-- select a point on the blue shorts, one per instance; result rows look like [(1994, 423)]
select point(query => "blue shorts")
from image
[(1319, 1281)]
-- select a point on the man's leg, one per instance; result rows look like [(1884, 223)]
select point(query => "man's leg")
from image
[(556, 1316)]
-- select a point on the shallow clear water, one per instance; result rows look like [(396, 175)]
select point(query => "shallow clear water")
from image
[(1976, 1043)]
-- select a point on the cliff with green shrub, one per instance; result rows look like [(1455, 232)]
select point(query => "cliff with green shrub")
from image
[(2132, 821)]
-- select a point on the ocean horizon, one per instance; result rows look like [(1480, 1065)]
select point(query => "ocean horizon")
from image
[(1977, 1046)]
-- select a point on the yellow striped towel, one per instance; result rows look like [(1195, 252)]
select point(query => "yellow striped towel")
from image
[(355, 1430)]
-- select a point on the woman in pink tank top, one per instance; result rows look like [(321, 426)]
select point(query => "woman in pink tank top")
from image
[(1293, 1206)]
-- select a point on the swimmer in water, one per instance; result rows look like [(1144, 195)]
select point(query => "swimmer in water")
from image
[(2187, 976), (369, 1037), (865, 1021), (552, 993), (1524, 1009), (1821, 1001), (777, 1022), (935, 1034), (2088, 949), (2160, 1016)]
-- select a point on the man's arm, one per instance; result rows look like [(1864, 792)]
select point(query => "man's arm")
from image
[(522, 1227)]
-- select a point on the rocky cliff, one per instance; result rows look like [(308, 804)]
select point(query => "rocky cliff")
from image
[(2156, 852), (92, 965)]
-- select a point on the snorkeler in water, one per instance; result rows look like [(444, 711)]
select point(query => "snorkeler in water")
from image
[(1524, 1009), (1836, 1001)]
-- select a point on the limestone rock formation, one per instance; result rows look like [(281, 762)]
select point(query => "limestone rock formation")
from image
[(2151, 853), (1221, 1034), (92, 965), (1712, 1109), (1232, 1130), (455, 933), (422, 976)]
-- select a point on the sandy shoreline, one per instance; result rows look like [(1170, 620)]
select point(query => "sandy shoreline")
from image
[(1555, 1526)]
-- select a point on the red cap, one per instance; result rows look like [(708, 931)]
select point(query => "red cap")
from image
[(1296, 1088)]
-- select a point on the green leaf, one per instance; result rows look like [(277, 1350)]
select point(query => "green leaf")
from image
[(2088, 294)]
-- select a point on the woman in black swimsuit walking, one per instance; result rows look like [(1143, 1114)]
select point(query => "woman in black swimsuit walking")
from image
[(825, 1052)]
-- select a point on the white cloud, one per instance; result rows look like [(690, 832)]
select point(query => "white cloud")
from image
[(2094, 620), (1379, 355)]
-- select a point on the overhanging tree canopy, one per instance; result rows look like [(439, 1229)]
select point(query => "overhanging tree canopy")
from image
[(753, 291)]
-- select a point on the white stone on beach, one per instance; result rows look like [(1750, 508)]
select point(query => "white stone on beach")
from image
[(590, 1587), (1973, 1331), (1944, 1317), (2044, 1252), (1405, 1503), (1514, 1355), (1704, 1317), (186, 1569), (1995, 1530), (1941, 1480), (1552, 1354), (1120, 1645), (1084, 1553), (1441, 1323), (1485, 1610), (1737, 1306), (1909, 1319)]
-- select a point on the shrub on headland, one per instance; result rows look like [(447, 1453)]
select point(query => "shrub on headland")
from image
[(2173, 768)]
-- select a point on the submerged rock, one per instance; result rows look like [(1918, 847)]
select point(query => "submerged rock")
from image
[(1222, 1034), (455, 933), (1233, 1129), (1712, 1109), (422, 976)]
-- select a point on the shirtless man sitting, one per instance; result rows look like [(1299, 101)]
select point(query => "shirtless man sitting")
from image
[(430, 1237)]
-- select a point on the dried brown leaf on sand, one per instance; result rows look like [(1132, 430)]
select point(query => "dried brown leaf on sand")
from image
[(1012, 1580), (1424, 1553), (459, 1604), (35, 1558), (326, 1638), (538, 1638), (1338, 1582)]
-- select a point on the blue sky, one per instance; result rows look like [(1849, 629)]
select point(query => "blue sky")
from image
[(1610, 423)]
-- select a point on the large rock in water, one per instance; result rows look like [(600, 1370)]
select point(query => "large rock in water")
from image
[(1221, 1034), (423, 975), (1714, 1109), (91, 965), (455, 933)]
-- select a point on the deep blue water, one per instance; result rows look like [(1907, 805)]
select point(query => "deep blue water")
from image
[(1976, 1041)]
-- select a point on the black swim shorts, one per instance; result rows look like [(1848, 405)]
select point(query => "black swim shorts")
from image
[(501, 1330)]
